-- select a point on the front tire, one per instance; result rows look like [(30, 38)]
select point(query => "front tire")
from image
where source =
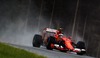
[(50, 41), (81, 45)]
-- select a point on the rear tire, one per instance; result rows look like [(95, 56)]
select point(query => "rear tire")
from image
[(37, 40)]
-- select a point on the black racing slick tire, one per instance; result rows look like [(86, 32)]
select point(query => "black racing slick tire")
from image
[(37, 40), (50, 41), (81, 45)]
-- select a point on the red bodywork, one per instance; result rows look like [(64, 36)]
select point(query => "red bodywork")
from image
[(67, 42)]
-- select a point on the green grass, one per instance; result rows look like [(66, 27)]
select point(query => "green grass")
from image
[(12, 52)]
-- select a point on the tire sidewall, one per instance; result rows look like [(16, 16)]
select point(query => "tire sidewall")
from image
[(37, 40)]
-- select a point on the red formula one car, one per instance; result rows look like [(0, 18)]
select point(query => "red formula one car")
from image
[(54, 39)]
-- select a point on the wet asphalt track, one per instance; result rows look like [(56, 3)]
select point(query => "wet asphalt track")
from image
[(50, 54)]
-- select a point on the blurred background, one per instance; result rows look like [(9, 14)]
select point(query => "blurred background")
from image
[(21, 19)]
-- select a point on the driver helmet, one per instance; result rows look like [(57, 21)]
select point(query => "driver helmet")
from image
[(60, 29), (60, 35)]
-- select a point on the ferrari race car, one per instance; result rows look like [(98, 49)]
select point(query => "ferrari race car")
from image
[(51, 39)]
